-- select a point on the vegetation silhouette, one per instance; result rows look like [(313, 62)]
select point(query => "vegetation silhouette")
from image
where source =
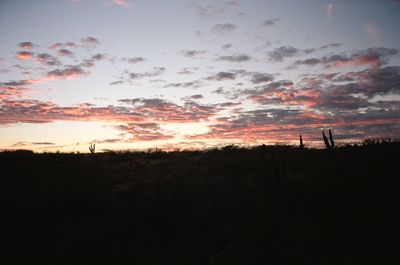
[(92, 148), (230, 205), (329, 144), (301, 146)]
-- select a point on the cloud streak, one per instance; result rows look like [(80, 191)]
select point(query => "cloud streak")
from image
[(222, 76), (374, 57), (122, 3), (235, 58), (329, 10)]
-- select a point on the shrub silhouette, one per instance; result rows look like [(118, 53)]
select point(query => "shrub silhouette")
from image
[(220, 206)]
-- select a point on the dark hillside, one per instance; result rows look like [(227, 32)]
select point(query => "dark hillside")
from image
[(271, 205)]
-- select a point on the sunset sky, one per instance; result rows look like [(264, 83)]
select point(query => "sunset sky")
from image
[(138, 74)]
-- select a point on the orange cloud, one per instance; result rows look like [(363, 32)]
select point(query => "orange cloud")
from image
[(23, 55), (141, 120)]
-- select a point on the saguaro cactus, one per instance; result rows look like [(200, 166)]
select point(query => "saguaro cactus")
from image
[(328, 143), (92, 148), (301, 146), (331, 138)]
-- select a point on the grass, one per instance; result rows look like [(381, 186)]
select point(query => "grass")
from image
[(273, 205)]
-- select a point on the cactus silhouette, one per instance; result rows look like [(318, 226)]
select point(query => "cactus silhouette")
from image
[(326, 141), (331, 138), (301, 146), (92, 148)]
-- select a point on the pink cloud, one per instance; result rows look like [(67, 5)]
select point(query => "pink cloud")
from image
[(329, 10), (19, 83), (7, 92), (145, 132), (372, 60), (122, 3), (372, 31), (26, 45), (59, 45), (89, 42), (149, 112), (66, 73)]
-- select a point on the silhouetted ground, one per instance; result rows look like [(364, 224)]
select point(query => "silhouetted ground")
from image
[(273, 205)]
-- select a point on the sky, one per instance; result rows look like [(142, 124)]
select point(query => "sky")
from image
[(187, 74)]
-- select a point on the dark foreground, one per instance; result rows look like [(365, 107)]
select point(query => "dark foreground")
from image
[(281, 205)]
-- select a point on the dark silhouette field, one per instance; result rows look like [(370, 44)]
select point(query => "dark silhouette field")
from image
[(260, 205)]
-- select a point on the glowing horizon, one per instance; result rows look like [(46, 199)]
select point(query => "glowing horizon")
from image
[(188, 74)]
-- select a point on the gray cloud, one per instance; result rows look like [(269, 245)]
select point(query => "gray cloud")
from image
[(258, 78), (91, 62), (227, 46), (331, 45), (156, 72), (232, 3), (99, 57), (65, 52), (133, 60), (26, 45), (90, 42), (59, 45), (197, 96), (209, 10), (20, 144), (192, 53), (372, 56), (235, 58), (67, 72), (371, 82), (47, 59), (118, 82), (191, 84), (271, 21), (128, 76), (187, 70), (278, 54), (17, 83), (222, 76), (223, 28)]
